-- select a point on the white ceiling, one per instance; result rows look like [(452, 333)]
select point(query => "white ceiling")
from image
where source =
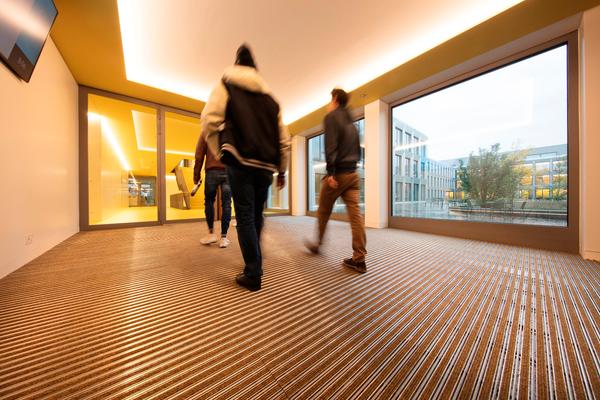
[(303, 48)]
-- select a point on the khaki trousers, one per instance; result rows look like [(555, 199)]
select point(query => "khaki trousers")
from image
[(349, 191)]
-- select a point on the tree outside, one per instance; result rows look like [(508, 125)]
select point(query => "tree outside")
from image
[(491, 176)]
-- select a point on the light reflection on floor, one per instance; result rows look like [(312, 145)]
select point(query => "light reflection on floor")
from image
[(150, 214)]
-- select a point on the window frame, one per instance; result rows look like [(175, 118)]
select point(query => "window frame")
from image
[(547, 237)]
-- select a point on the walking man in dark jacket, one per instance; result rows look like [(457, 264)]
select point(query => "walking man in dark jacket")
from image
[(215, 176), (243, 127), (342, 149)]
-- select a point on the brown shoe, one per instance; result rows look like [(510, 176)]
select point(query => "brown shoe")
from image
[(358, 266)]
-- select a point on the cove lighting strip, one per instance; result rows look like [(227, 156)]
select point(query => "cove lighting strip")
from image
[(108, 132), (138, 51)]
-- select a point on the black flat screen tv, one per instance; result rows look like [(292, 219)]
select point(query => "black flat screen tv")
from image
[(24, 27)]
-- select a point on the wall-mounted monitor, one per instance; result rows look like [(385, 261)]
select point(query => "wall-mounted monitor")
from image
[(24, 27)]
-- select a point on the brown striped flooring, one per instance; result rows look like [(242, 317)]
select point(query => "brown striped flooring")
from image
[(149, 313)]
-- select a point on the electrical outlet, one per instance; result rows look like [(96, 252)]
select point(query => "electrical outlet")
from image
[(28, 240)]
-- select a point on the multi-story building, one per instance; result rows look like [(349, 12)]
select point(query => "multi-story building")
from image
[(416, 178), (546, 173)]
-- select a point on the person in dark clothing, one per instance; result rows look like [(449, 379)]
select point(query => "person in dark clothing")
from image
[(215, 176), (342, 150), (244, 129)]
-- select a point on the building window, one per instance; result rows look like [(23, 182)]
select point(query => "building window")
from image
[(466, 136), (397, 164), (398, 192), (397, 137)]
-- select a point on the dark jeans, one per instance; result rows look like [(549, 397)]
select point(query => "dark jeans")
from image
[(213, 179), (250, 188)]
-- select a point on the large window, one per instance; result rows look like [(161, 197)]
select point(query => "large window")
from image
[(490, 149), (317, 170)]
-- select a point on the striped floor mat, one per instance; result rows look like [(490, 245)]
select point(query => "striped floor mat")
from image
[(149, 313)]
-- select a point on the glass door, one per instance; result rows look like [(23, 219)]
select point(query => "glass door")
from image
[(181, 136), (278, 201), (139, 160), (122, 166)]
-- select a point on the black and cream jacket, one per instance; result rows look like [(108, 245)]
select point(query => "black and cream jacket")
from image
[(242, 122)]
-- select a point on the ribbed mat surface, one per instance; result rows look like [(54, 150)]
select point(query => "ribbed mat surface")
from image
[(150, 313)]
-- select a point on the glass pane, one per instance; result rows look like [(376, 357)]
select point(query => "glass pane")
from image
[(122, 166), (491, 149), (317, 170), (360, 167), (278, 200), (181, 135)]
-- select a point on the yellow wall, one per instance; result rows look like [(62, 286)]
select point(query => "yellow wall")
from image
[(119, 116), (107, 181), (94, 168)]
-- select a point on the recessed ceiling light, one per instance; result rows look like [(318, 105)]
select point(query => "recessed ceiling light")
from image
[(180, 49)]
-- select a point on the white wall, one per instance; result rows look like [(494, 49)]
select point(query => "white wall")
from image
[(590, 135), (298, 178), (376, 164), (38, 160)]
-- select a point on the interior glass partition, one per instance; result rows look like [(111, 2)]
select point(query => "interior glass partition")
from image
[(121, 162), (278, 201), (181, 135)]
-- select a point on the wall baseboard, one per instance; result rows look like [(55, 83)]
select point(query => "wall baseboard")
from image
[(375, 224), (591, 255)]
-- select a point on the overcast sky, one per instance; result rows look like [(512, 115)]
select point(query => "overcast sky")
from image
[(519, 106)]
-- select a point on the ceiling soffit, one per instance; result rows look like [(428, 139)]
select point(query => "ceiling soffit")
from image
[(87, 35)]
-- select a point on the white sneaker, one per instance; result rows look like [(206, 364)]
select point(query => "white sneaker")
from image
[(224, 242), (208, 239)]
